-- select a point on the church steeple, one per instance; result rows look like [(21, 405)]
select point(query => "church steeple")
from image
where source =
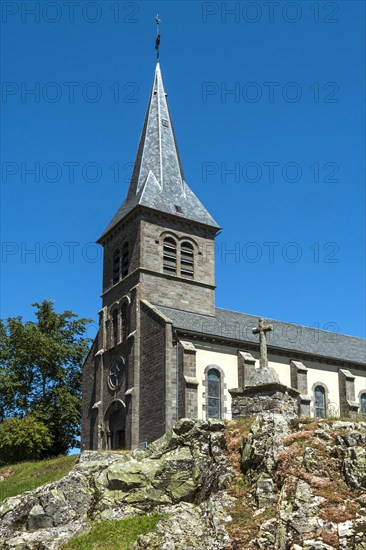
[(157, 180)]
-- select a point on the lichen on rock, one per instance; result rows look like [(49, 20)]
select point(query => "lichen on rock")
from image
[(188, 465), (304, 485), (278, 482)]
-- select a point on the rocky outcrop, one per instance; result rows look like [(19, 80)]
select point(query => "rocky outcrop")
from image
[(282, 484), (190, 526), (306, 484), (187, 465)]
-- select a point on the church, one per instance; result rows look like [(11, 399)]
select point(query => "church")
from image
[(163, 350)]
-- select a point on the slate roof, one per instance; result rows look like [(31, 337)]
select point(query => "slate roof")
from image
[(238, 326), (157, 180)]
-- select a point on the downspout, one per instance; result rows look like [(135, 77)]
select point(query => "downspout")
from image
[(176, 373), (101, 409)]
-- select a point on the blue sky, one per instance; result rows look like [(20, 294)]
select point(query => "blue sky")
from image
[(268, 108)]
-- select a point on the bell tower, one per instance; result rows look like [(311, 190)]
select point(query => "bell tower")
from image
[(158, 250), (161, 237)]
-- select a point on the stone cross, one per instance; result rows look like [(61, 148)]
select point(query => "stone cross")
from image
[(261, 329)]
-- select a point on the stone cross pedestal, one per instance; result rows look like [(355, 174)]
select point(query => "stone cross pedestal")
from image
[(264, 393)]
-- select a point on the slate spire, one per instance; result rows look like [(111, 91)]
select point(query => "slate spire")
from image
[(157, 180)]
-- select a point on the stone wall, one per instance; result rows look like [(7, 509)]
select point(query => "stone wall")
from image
[(129, 230), (90, 391), (178, 293), (272, 397), (152, 375), (195, 294), (299, 381), (145, 232), (188, 378), (347, 400)]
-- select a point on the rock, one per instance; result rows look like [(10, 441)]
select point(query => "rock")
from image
[(190, 526), (316, 545), (352, 439), (323, 434), (267, 534), (265, 492), (38, 519), (304, 518), (189, 464), (345, 529), (293, 488), (354, 467), (259, 450)]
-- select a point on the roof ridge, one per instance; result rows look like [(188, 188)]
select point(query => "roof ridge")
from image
[(292, 323)]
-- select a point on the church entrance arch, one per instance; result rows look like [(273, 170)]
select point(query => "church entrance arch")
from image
[(115, 422)]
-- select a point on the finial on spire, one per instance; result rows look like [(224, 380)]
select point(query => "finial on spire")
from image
[(157, 41)]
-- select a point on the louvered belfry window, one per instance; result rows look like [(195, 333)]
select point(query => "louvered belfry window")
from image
[(170, 256), (116, 266), (187, 260), (125, 260)]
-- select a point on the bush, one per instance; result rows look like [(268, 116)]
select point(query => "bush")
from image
[(22, 439)]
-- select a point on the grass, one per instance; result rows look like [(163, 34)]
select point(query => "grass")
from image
[(26, 476), (113, 535)]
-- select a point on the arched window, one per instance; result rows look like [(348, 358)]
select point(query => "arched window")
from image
[(124, 321), (116, 266), (186, 260), (115, 327), (125, 260), (170, 256), (108, 338), (319, 402), (213, 394), (363, 404)]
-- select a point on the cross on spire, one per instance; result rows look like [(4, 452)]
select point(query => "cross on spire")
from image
[(157, 41), (158, 181), (261, 330)]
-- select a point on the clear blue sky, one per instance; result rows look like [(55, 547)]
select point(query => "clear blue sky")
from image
[(293, 132)]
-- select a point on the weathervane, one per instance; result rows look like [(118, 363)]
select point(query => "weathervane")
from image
[(157, 41)]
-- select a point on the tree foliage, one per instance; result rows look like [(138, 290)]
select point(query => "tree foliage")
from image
[(23, 439), (40, 372)]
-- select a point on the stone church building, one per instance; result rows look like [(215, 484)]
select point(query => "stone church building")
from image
[(163, 350)]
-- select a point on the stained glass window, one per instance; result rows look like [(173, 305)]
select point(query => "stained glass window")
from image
[(319, 401), (363, 404), (213, 394)]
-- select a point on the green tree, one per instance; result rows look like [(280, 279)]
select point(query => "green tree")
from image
[(40, 372), (23, 439)]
